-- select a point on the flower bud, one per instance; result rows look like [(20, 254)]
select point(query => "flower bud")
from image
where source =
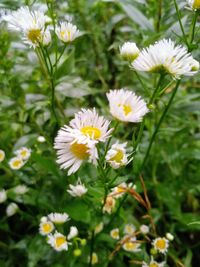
[(77, 252), (169, 236), (129, 51)]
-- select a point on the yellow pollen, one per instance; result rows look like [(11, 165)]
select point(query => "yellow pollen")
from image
[(34, 35), (23, 153), (80, 151), (92, 132), (120, 189), (153, 265), (118, 157), (130, 245), (17, 163), (196, 4), (160, 244), (60, 241), (115, 234), (46, 227), (126, 108)]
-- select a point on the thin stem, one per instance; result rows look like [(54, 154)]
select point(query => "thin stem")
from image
[(159, 123), (91, 249), (193, 27), (159, 15), (141, 81)]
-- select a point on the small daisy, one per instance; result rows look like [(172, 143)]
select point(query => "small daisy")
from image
[(2, 155), (98, 228), (118, 191), (161, 244), (131, 246), (126, 106), (3, 195), (58, 241), (166, 57), (73, 232), (153, 264), (46, 226), (67, 32), (194, 4), (129, 51), (144, 229), (72, 151), (23, 153), (114, 233), (77, 190), (58, 218), (109, 204), (16, 163), (11, 209), (91, 125), (129, 229), (116, 155), (20, 189), (95, 259)]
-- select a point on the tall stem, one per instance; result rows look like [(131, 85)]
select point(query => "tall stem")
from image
[(159, 16), (194, 21)]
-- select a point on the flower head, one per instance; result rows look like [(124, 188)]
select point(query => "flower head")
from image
[(2, 155), (119, 190), (90, 125), (11, 209), (109, 204), (129, 229), (3, 195), (153, 263), (58, 241), (129, 51), (144, 229), (58, 218), (94, 259), (72, 233), (131, 246), (41, 139), (114, 233), (20, 189), (166, 57), (126, 106), (98, 228), (194, 4), (16, 163), (161, 244), (77, 190), (46, 226), (67, 32), (23, 153), (116, 156), (169, 236)]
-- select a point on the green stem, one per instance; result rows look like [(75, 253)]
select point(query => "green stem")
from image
[(159, 123), (194, 21), (159, 15), (141, 81)]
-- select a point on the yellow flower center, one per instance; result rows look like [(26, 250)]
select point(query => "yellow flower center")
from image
[(160, 244), (196, 4), (80, 151), (34, 35), (60, 241), (118, 157), (17, 163), (23, 153), (126, 108), (153, 265), (130, 245), (115, 234), (120, 189), (46, 227), (1, 156), (92, 132)]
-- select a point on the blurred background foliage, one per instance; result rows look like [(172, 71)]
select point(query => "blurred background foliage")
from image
[(90, 68)]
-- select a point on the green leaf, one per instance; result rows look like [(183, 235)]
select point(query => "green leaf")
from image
[(66, 66), (78, 211)]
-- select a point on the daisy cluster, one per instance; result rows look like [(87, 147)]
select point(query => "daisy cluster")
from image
[(22, 156), (36, 27)]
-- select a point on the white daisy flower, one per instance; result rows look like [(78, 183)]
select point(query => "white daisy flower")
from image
[(116, 155), (153, 264), (73, 232), (114, 233), (118, 191), (23, 153), (67, 32), (169, 236), (144, 229), (129, 229), (91, 125), (16, 163), (77, 190), (58, 218), (72, 151), (20, 189), (161, 244), (30, 23), (11, 209), (95, 259), (98, 228), (194, 4), (109, 204), (2, 155), (167, 57), (129, 51), (57, 241), (46, 226), (3, 195), (126, 106), (131, 246)]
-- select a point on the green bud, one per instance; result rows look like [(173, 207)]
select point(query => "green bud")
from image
[(153, 251), (83, 242), (77, 252)]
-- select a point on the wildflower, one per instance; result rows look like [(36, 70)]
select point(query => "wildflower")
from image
[(144, 229), (126, 106), (98, 228), (119, 190), (153, 264), (41, 139), (169, 236), (77, 190), (58, 218), (3, 195), (30, 23), (131, 245), (72, 151), (46, 226), (2, 155), (116, 155), (16, 163), (23, 153), (94, 258), (129, 229), (194, 4), (57, 241), (72, 233), (166, 57), (114, 233), (67, 32), (20, 189), (129, 51), (109, 204), (11, 209), (91, 125), (161, 244)]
